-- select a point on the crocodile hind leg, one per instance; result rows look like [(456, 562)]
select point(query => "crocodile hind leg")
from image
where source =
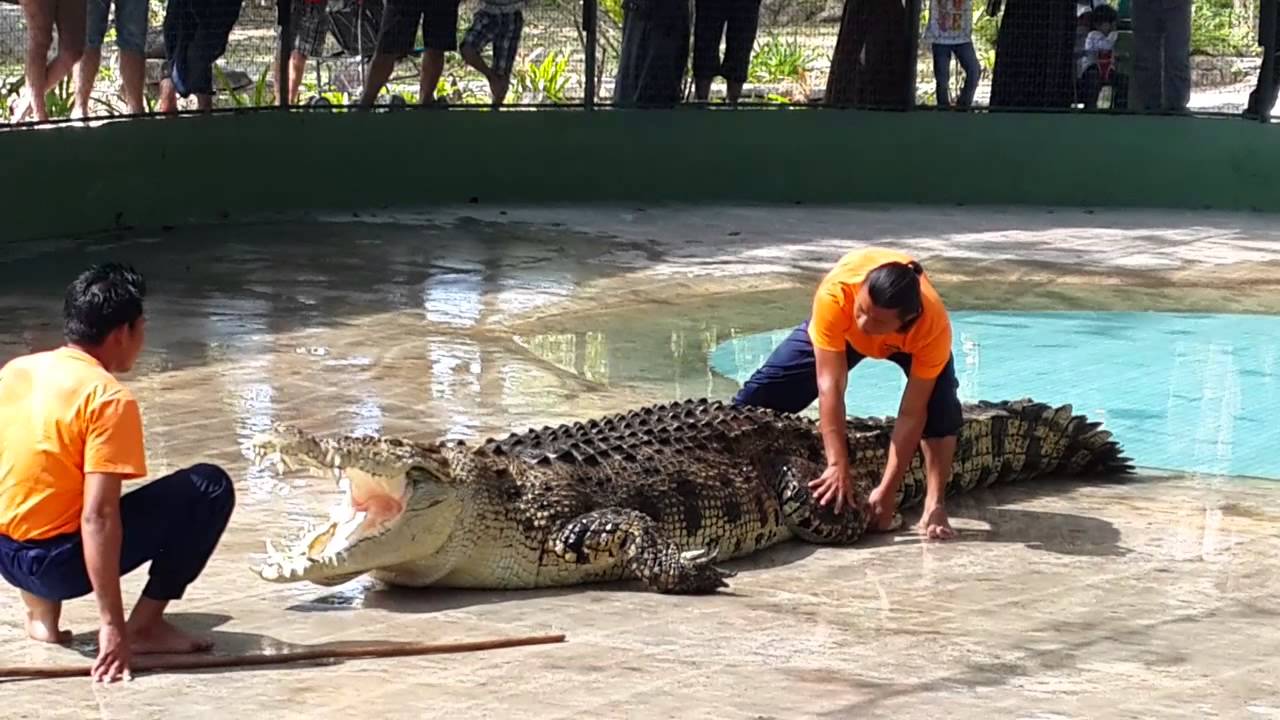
[(606, 537), (803, 515)]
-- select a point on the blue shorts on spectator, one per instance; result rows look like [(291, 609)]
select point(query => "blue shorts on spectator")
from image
[(195, 36)]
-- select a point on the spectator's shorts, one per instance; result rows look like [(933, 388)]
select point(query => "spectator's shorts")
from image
[(310, 20), (735, 20), (502, 30), (400, 26), (195, 36), (131, 24)]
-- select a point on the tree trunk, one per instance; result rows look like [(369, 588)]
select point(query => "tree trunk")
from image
[(871, 65)]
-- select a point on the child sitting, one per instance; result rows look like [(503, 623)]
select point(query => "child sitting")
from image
[(1097, 60)]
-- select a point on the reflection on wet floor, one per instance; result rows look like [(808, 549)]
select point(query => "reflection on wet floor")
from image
[(474, 327)]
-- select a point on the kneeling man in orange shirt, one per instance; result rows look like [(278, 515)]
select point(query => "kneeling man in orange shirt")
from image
[(70, 434), (875, 303)]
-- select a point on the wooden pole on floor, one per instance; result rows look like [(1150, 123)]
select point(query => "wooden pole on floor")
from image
[(143, 663)]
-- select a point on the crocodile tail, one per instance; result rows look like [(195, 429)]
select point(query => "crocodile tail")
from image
[(1032, 439)]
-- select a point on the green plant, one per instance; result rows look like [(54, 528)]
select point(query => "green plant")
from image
[(1224, 28), (542, 80), (777, 59), (259, 98)]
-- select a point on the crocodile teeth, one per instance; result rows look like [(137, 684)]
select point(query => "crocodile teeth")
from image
[(321, 540)]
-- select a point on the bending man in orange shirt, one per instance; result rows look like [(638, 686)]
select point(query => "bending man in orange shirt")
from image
[(874, 303), (70, 434)]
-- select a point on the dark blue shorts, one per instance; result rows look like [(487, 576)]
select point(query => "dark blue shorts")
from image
[(175, 522), (788, 382)]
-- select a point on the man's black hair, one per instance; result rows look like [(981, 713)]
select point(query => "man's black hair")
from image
[(101, 299), (896, 286)]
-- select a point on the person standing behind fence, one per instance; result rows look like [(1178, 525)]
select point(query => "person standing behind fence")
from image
[(498, 23), (195, 36), (396, 38), (309, 21), (737, 22), (1259, 104), (654, 53), (131, 40), (42, 74), (950, 31), (1162, 54)]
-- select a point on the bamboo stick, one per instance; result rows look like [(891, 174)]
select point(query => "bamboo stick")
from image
[(208, 660)]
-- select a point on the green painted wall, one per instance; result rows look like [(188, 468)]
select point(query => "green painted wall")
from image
[(152, 172)]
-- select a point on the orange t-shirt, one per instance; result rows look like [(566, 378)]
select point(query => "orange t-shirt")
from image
[(831, 325), (62, 415)]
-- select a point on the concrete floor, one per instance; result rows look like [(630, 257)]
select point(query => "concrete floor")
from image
[(1151, 599)]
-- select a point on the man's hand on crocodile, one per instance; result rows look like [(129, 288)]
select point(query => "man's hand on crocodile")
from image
[(882, 506), (833, 484)]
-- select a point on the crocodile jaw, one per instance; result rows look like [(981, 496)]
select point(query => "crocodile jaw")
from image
[(370, 509), (388, 493)]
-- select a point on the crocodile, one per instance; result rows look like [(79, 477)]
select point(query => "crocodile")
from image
[(659, 494)]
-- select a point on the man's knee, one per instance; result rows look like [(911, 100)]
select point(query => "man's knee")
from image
[(214, 486)]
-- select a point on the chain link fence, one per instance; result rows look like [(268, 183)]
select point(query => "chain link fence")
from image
[(149, 56)]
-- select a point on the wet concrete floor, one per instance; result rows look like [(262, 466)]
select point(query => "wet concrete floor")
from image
[(1151, 599)]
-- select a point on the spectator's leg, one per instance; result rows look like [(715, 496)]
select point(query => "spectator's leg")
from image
[(942, 74), (1177, 56), (972, 73), (178, 29), (216, 20), (86, 71), (1090, 86), (506, 44), (1120, 91), (42, 16), (708, 27), (131, 39), (740, 36), (395, 40), (1148, 34), (482, 32), (310, 30), (70, 20), (439, 35)]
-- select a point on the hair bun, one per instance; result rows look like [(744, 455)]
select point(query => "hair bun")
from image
[(915, 267)]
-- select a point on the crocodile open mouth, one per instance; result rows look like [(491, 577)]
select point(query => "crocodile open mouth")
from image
[(370, 505)]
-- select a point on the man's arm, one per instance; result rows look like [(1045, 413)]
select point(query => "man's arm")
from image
[(833, 376), (101, 531), (907, 429)]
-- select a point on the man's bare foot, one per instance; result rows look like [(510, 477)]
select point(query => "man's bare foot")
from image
[(42, 620), (935, 524), (159, 636)]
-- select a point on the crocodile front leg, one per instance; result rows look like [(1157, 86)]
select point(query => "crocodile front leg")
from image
[(612, 535), (803, 515)]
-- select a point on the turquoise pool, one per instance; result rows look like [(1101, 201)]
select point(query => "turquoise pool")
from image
[(1187, 392)]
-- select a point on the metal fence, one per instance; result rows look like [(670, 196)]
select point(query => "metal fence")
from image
[(1042, 55)]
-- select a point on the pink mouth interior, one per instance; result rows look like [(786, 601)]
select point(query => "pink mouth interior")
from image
[(378, 507)]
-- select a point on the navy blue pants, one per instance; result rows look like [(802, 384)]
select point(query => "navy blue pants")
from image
[(175, 522), (788, 382)]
